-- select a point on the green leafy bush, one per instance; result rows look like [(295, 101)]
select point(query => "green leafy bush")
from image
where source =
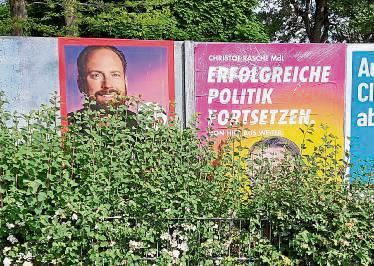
[(122, 189), (308, 220), (109, 181)]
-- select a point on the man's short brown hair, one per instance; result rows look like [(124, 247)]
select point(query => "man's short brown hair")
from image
[(277, 142)]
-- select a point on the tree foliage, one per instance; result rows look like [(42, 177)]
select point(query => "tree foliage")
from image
[(219, 20), (354, 21), (212, 20), (319, 20), (5, 20), (134, 19)]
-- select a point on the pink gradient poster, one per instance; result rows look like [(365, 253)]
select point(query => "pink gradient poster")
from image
[(148, 70), (270, 90)]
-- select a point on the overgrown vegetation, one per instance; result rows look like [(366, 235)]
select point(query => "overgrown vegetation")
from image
[(209, 20), (118, 189), (319, 20)]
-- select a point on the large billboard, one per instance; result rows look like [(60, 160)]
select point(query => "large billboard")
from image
[(105, 68), (360, 101), (270, 91)]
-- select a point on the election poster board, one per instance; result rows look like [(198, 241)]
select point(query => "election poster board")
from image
[(360, 107), (29, 72), (103, 68), (270, 90)]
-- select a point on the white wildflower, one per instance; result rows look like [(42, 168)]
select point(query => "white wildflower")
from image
[(6, 249), (215, 226), (176, 253), (176, 233), (21, 224), (10, 226), (7, 261), (28, 256), (27, 263), (165, 236), (183, 246), (189, 227), (74, 217), (173, 243), (133, 245), (344, 243), (152, 253), (12, 239), (112, 243)]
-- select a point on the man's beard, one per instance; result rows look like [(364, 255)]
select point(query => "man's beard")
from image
[(111, 98)]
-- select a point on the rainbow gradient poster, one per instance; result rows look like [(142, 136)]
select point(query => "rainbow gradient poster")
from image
[(360, 122), (270, 90)]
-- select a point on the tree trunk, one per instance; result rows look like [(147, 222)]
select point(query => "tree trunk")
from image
[(19, 15), (71, 15), (319, 32)]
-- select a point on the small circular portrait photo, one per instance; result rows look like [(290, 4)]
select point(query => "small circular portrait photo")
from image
[(270, 154)]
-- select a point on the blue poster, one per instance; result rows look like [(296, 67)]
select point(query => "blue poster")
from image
[(362, 116)]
